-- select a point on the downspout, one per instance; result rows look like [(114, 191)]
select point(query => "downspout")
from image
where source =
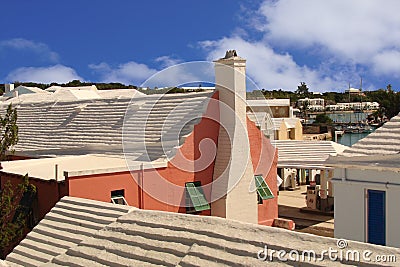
[(57, 183), (141, 187)]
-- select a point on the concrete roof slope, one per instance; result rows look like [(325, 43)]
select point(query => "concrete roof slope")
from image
[(299, 152), (24, 90), (68, 223), (268, 102), (56, 168), (96, 125), (57, 87), (384, 141), (119, 93), (156, 238), (378, 162)]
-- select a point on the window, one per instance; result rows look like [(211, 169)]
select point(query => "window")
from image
[(118, 197), (262, 189), (195, 199)]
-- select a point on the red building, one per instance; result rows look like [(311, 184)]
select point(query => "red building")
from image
[(175, 152)]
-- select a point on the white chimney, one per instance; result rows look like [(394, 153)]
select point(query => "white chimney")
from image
[(233, 171), (8, 87)]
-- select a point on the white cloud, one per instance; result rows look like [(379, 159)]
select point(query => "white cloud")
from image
[(387, 62), (167, 61), (142, 75), (267, 68), (127, 73), (23, 44), (56, 73), (323, 43), (354, 30)]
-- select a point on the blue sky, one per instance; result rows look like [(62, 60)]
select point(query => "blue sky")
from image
[(327, 44)]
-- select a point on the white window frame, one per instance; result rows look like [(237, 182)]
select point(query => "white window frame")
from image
[(115, 200)]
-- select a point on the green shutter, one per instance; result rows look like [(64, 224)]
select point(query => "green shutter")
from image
[(197, 197), (262, 188)]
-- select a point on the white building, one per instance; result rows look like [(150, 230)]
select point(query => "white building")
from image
[(356, 106), (277, 108), (367, 188), (353, 91), (314, 104)]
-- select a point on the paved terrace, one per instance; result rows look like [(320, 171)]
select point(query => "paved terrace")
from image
[(70, 236), (290, 203)]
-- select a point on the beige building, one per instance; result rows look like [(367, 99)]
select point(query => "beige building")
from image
[(275, 118), (287, 129), (277, 108)]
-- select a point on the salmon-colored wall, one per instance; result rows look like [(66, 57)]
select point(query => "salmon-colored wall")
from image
[(48, 192), (265, 159), (163, 188), (194, 161), (99, 186)]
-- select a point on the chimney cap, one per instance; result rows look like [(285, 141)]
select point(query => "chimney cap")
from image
[(231, 55)]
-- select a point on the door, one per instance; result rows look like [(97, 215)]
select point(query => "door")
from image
[(376, 217)]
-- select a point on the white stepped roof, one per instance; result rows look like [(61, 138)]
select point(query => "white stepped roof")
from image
[(57, 87), (378, 150), (268, 102), (119, 93), (68, 223), (299, 153), (96, 125), (151, 238), (384, 141)]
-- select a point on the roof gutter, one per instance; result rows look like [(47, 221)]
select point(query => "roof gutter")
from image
[(386, 185), (136, 167)]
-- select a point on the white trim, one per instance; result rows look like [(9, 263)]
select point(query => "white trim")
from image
[(114, 199), (136, 167)]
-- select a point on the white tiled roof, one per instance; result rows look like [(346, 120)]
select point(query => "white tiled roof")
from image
[(51, 127), (268, 102), (154, 238), (68, 223), (384, 141), (299, 152)]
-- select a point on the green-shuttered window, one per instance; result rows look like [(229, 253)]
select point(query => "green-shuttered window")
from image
[(262, 188), (195, 199)]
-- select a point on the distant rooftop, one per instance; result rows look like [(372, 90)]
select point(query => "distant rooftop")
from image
[(383, 141), (299, 153), (64, 124), (268, 102), (93, 233)]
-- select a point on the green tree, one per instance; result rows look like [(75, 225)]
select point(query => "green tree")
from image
[(323, 118), (15, 211), (15, 202), (9, 130), (303, 90)]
